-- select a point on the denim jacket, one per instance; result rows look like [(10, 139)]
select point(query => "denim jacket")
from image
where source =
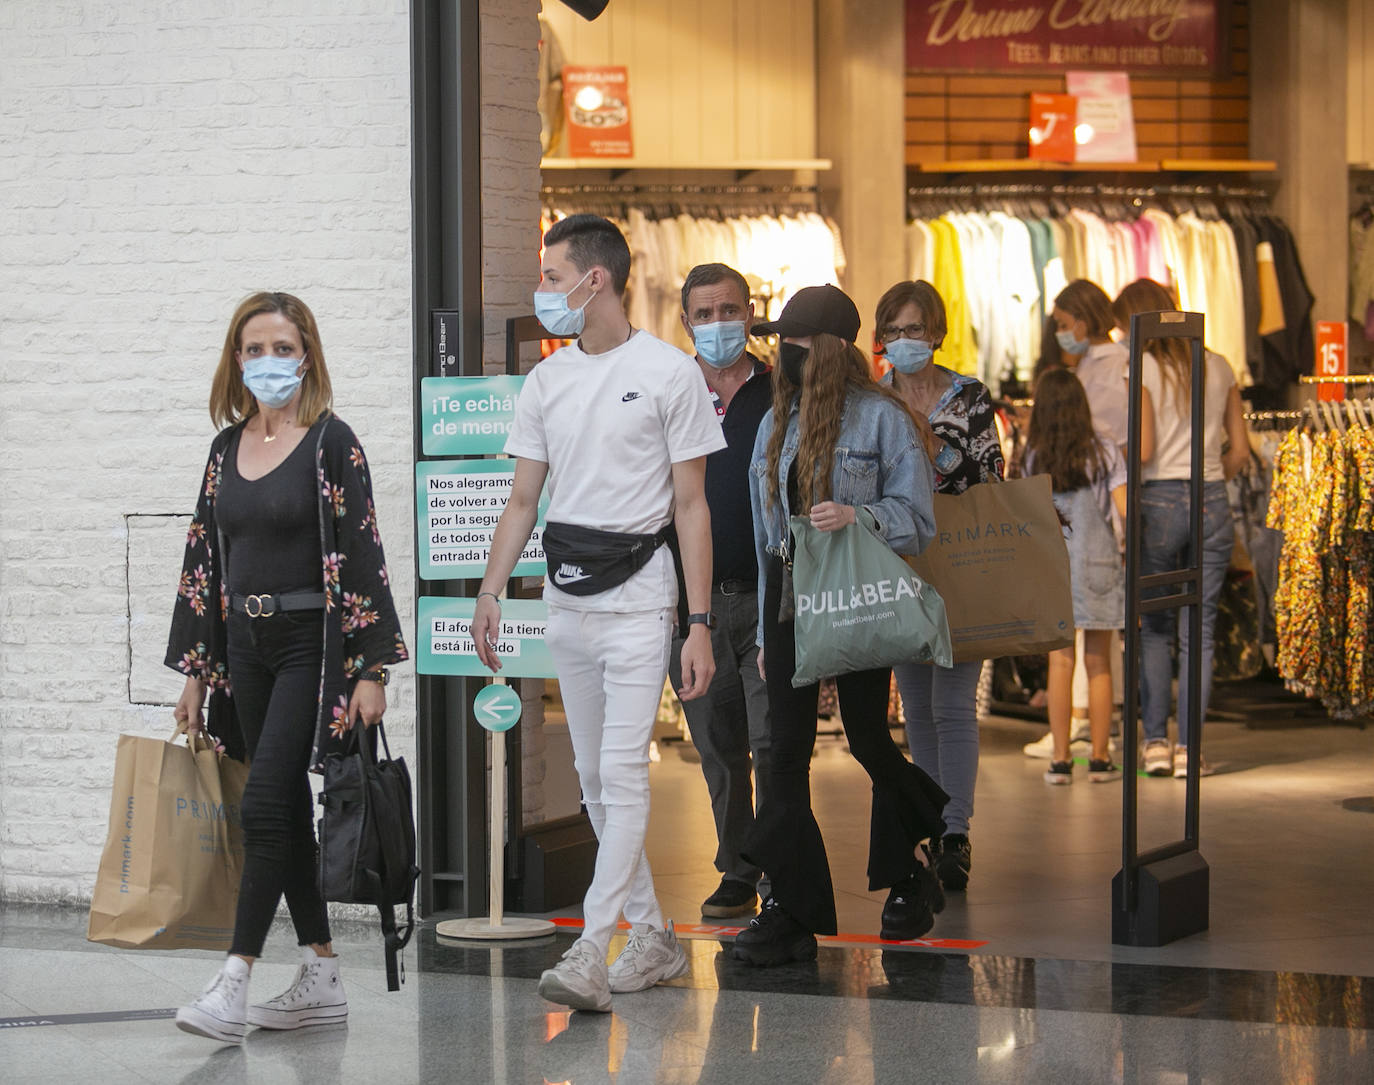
[(879, 465)]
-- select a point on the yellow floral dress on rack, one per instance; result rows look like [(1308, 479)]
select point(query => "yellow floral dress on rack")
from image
[(1323, 501)]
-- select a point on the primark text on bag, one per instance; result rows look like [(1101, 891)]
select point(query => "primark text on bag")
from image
[(169, 873), (999, 561), (859, 605), (367, 838)]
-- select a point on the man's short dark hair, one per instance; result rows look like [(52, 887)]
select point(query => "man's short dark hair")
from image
[(593, 242), (709, 275)]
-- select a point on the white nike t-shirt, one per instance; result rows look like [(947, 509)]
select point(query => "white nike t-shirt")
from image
[(610, 426)]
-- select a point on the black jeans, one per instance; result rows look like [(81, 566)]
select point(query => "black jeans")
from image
[(274, 664), (786, 841)]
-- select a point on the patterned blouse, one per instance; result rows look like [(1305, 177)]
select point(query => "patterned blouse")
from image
[(967, 423), (362, 631)]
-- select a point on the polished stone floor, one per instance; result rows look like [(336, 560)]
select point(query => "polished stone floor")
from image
[(1280, 987)]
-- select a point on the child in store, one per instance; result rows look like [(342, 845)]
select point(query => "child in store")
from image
[(1088, 478)]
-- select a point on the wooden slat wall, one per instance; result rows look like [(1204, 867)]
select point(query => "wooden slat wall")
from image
[(710, 80), (1360, 111), (960, 117)]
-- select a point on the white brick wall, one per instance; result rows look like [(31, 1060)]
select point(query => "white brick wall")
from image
[(159, 160)]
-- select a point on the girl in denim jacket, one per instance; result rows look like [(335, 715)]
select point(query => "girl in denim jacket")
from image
[(833, 442)]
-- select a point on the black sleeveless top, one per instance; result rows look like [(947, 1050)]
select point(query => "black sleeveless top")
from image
[(271, 525)]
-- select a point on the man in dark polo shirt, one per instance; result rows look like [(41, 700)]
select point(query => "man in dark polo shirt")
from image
[(729, 724)]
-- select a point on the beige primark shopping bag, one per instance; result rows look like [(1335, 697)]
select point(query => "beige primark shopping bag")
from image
[(169, 874), (999, 562)]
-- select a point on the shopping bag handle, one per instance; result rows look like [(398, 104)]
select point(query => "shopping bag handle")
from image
[(192, 737)]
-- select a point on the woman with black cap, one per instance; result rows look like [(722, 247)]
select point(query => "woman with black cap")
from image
[(834, 442)]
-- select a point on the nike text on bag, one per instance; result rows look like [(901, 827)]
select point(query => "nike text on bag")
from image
[(585, 561), (367, 838), (999, 561), (859, 605), (169, 874)]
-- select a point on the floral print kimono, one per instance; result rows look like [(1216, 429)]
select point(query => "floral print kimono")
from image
[(361, 631)]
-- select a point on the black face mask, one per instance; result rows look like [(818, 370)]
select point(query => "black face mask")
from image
[(792, 357)]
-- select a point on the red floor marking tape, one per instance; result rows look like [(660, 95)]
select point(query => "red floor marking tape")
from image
[(720, 930)]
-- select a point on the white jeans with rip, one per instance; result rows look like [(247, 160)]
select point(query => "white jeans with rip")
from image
[(611, 668)]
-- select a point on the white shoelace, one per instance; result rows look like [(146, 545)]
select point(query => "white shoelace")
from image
[(305, 977)]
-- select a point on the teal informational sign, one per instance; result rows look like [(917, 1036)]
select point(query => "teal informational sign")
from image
[(467, 416), (444, 636), (497, 708), (457, 504)]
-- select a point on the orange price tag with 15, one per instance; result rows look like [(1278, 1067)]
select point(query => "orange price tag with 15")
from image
[(1331, 359)]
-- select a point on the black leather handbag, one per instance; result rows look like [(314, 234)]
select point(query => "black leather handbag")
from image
[(367, 837)]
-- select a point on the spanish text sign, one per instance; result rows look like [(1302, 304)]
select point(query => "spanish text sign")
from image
[(467, 416), (457, 505), (444, 635)]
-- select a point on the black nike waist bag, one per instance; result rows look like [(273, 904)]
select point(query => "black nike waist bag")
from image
[(587, 561)]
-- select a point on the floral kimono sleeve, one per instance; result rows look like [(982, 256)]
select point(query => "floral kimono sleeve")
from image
[(356, 579), (197, 643)]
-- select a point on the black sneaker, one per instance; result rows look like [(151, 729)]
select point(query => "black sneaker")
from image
[(730, 898), (1059, 773), (955, 862), (1103, 772), (773, 937), (912, 905)]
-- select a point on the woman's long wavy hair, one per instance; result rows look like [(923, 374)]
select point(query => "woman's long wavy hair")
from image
[(1061, 433), (834, 369), (1174, 356), (230, 399)]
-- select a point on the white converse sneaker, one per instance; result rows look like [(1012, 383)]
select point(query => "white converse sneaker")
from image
[(578, 980), (220, 1010), (316, 997), (649, 957)]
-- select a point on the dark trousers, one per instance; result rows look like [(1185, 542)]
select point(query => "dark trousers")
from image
[(786, 841), (274, 664), (729, 727)]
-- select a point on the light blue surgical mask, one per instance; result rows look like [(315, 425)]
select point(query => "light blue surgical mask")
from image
[(908, 355), (1070, 342), (720, 344), (553, 311), (272, 379)]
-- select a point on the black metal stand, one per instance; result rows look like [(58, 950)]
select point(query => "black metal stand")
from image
[(1162, 894)]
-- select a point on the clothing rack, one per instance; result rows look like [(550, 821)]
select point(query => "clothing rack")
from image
[(1273, 416), (665, 189), (1095, 189), (1347, 378)]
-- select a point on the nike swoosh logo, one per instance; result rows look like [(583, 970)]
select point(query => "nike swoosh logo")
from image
[(568, 578), (629, 396)]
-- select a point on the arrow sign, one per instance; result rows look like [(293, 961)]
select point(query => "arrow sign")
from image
[(497, 708)]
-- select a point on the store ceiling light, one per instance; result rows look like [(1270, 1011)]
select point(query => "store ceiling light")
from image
[(588, 9)]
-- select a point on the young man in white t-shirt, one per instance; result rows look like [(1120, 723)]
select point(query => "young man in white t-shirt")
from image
[(620, 424)]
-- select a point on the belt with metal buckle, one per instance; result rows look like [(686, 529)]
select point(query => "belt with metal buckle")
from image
[(736, 587), (264, 606)]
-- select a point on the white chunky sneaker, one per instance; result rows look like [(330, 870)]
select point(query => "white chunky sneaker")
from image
[(578, 980), (1042, 749), (649, 957), (219, 1011), (316, 997)]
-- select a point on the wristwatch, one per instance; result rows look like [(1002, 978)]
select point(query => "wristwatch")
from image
[(708, 620), (381, 674)]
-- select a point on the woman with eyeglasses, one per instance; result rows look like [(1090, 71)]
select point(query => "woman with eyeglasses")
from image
[(940, 703)]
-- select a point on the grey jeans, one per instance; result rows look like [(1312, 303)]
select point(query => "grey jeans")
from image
[(729, 727), (940, 705)]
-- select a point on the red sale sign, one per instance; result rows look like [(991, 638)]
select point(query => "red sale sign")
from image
[(1331, 358), (597, 104)]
